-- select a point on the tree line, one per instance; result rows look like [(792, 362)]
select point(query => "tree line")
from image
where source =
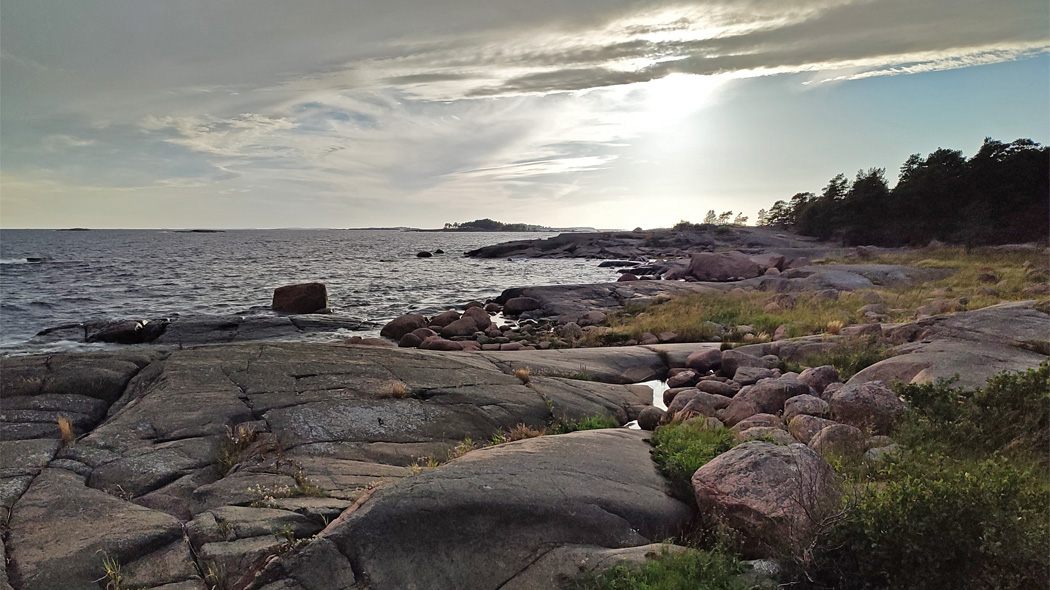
[(491, 225), (1000, 195)]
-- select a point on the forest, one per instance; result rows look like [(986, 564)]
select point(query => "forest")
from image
[(1000, 195)]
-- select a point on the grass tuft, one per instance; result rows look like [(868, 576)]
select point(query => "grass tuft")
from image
[(524, 374), (65, 428), (232, 447), (112, 577), (393, 390)]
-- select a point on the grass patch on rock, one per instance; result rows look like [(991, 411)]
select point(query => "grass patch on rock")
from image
[(848, 358), (680, 448), (596, 422), (687, 570), (981, 277)]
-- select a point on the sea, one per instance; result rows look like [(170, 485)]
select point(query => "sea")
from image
[(54, 277)]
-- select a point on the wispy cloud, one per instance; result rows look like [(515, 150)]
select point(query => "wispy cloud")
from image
[(423, 102)]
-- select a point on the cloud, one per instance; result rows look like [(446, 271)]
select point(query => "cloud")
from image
[(419, 102)]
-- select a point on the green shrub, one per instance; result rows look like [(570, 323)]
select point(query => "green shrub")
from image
[(690, 570), (680, 449), (1011, 414), (930, 522), (596, 422)]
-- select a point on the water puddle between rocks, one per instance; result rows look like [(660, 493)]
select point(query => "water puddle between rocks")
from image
[(658, 387)]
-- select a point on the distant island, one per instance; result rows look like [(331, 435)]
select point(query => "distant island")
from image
[(490, 225)]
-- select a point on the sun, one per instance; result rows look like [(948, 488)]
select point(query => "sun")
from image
[(677, 95)]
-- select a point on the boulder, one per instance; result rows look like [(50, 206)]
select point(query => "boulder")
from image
[(626, 277), (772, 495), (423, 254), (302, 298), (571, 330), (718, 387), (752, 375), (766, 396), (464, 326), (723, 266), (439, 343), (679, 401), (480, 316), (493, 307), (704, 404), (869, 405), (398, 327), (838, 439), (819, 377), (804, 427), (734, 359), (703, 361), (410, 340), (519, 305), (591, 318), (830, 391), (650, 418), (804, 404), (768, 433), (443, 319), (759, 421), (685, 378), (672, 392)]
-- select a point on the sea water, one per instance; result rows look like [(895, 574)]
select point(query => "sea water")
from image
[(49, 278)]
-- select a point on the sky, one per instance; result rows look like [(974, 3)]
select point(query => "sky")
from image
[(600, 113)]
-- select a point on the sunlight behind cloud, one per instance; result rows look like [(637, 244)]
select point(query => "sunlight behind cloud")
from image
[(677, 95)]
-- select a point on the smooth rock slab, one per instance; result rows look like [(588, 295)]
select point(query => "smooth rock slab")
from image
[(476, 522), (59, 526)]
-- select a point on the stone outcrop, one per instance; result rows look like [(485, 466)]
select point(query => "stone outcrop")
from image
[(254, 448), (972, 346), (500, 509)]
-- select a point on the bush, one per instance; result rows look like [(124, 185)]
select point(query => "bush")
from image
[(966, 504), (681, 449), (929, 521), (689, 570), (1011, 415)]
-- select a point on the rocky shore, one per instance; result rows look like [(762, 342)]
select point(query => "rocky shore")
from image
[(427, 458)]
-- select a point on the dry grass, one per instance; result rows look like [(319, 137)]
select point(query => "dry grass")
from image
[(524, 374), (393, 389), (232, 447), (520, 431), (714, 316), (65, 427)]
